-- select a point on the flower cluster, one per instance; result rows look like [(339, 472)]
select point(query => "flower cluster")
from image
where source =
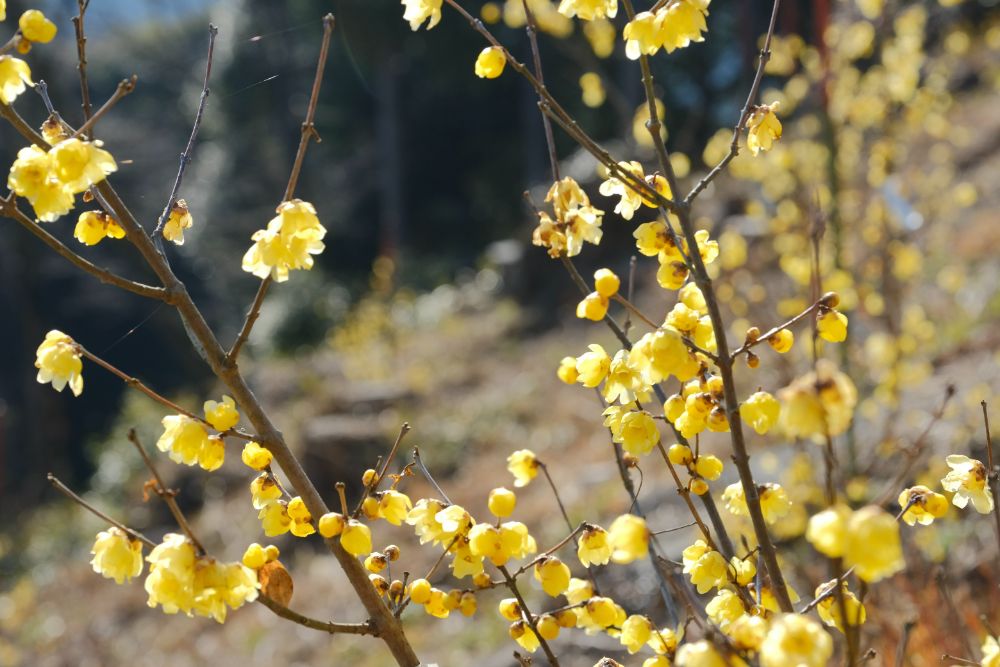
[(673, 26), (288, 243), (49, 179), (575, 220)]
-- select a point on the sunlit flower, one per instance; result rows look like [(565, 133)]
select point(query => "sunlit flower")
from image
[(92, 227), (490, 63), (59, 361), (794, 639), (523, 465), (725, 608), (636, 631), (967, 480), (683, 23), (831, 326), (35, 27), (178, 220), (418, 11), (393, 506), (80, 164), (763, 128), (263, 490), (33, 177), (638, 432), (170, 583), (183, 438), (14, 76), (774, 502), (829, 607), (256, 457), (594, 546), (629, 538), (923, 505), (589, 10), (422, 518), (356, 538), (288, 243), (222, 415), (117, 555), (553, 575), (642, 35), (760, 411), (592, 367)]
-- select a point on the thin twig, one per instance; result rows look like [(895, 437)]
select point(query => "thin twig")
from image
[(427, 474), (9, 209), (992, 473), (81, 57), (904, 639), (529, 618), (189, 148), (531, 27), (125, 86), (367, 628), (773, 332), (734, 146), (555, 492), (65, 490), (369, 489), (167, 495)]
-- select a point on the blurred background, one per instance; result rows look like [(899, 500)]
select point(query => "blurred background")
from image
[(430, 304)]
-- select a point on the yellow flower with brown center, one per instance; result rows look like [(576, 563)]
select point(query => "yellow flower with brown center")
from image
[(92, 227), (763, 128), (923, 505), (967, 480), (287, 244)]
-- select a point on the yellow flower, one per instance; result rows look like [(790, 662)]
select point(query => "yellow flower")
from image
[(566, 195), (170, 583), (522, 633), (288, 242), (490, 63), (743, 570), (819, 402), (725, 608), (829, 607), (774, 502), (331, 524), (748, 632), (14, 76), (967, 480), (80, 164), (580, 590), (263, 490), (924, 505), (301, 525), (59, 361), (638, 433), (274, 518), (178, 220), (642, 35), (594, 546), (629, 538), (683, 23), (435, 605), (599, 612), (782, 341), (663, 641), (593, 307), (420, 591), (35, 27), (703, 654), (212, 454), (624, 380), (991, 652), (671, 274), (418, 11), (763, 128), (465, 563), (217, 585), (356, 538), (606, 283), (567, 370), (523, 465), (485, 541), (393, 506), (760, 411), (256, 556), (707, 571), (33, 177), (593, 366), (183, 438), (222, 415), (652, 237), (256, 457), (827, 531), (548, 627), (589, 10), (636, 631), (502, 502), (516, 541), (832, 326), (553, 574), (796, 640), (92, 227), (510, 609), (662, 353), (708, 466), (872, 546), (422, 518), (116, 555)]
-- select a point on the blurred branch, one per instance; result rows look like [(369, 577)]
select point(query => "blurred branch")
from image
[(366, 628), (65, 490)]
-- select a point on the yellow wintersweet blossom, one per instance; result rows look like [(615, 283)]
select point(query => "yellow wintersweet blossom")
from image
[(827, 531), (638, 433), (80, 164), (576, 220), (516, 540), (707, 567), (288, 243), (867, 540), (782, 341), (15, 75), (183, 438), (725, 608), (264, 490), (170, 583), (92, 227), (393, 506), (274, 518), (642, 35), (629, 538), (703, 654), (256, 457), (257, 556), (222, 415), (636, 631), (748, 632), (418, 11), (991, 652), (485, 541), (501, 502), (829, 607), (593, 307), (523, 465), (218, 585), (553, 575), (522, 633), (594, 546), (212, 454), (589, 10), (820, 402), (794, 639), (356, 538), (567, 370), (831, 325), (774, 501), (490, 63), (301, 519), (760, 411), (422, 518), (967, 480), (117, 555), (33, 177), (683, 22), (624, 380), (592, 367), (331, 524), (60, 362), (178, 220), (924, 505), (763, 128), (35, 27)]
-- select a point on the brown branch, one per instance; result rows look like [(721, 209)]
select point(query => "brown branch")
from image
[(81, 58), (308, 132), (65, 490), (9, 209), (380, 473), (734, 146), (531, 28), (551, 550), (189, 148), (125, 86), (529, 618), (774, 331), (366, 628), (167, 495), (555, 492)]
